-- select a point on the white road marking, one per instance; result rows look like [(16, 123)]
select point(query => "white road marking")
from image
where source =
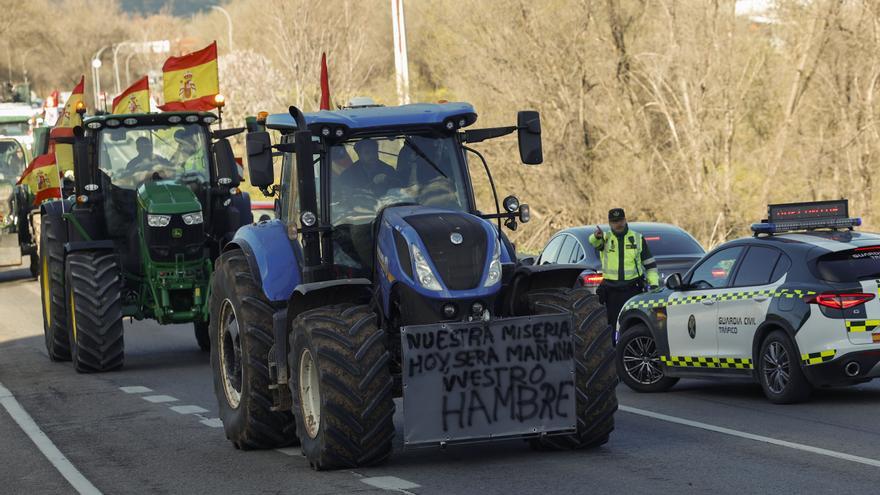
[(156, 399), (189, 409), (48, 449), (135, 390), (752, 436), (291, 451), (212, 422), (390, 483)]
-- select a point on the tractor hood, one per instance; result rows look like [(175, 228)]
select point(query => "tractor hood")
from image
[(167, 197)]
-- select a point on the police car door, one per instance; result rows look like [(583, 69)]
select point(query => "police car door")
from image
[(692, 313), (743, 307)]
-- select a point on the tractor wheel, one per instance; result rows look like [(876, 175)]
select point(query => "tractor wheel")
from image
[(595, 374), (240, 339), (52, 290), (202, 331), (341, 387), (94, 307)]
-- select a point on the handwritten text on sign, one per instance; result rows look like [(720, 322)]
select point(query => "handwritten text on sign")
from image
[(479, 380)]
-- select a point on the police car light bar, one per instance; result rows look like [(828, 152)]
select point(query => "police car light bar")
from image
[(807, 216)]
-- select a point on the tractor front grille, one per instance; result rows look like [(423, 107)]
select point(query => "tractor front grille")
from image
[(460, 265), (165, 243)]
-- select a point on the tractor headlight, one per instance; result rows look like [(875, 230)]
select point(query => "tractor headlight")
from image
[(494, 274), (193, 218), (158, 220), (423, 271)]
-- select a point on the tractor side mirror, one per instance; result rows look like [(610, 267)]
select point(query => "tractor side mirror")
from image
[(82, 172), (224, 160), (259, 152), (673, 282), (528, 127)]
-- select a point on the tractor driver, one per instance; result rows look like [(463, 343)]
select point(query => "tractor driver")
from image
[(145, 159), (369, 172)]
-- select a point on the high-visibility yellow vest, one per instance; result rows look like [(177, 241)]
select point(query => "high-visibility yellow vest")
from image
[(609, 247)]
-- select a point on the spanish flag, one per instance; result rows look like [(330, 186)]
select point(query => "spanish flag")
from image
[(68, 119), (43, 178), (191, 81), (135, 99)]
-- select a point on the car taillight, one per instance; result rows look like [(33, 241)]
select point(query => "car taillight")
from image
[(591, 279), (840, 301)]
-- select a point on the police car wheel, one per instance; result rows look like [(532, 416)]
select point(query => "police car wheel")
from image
[(638, 362), (779, 370)]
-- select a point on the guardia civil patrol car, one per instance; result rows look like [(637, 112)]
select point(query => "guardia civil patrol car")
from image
[(795, 307)]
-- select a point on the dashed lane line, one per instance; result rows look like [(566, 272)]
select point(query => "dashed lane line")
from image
[(210, 422), (135, 390), (45, 445), (751, 436), (158, 399), (391, 483), (188, 409)]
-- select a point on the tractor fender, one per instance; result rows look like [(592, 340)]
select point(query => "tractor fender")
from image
[(316, 294), (55, 210), (273, 259), (526, 278)]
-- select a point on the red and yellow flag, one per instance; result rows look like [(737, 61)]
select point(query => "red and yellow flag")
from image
[(67, 120), (135, 99), (43, 178), (191, 81)]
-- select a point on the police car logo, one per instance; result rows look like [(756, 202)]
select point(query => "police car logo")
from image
[(692, 327), (456, 238)]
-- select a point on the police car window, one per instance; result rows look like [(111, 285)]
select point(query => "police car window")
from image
[(714, 272), (756, 267), (566, 250), (782, 267), (552, 249), (851, 265)]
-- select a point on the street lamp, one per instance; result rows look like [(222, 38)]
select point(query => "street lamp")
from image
[(116, 63), (96, 65), (228, 23)]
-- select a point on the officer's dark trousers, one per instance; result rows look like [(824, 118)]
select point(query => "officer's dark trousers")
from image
[(615, 296)]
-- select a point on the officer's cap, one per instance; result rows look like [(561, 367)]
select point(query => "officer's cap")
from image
[(616, 214)]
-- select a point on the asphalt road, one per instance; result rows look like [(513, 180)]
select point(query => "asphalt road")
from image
[(162, 436)]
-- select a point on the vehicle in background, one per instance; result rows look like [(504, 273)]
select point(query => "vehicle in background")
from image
[(17, 113), (16, 226), (263, 210), (674, 248)]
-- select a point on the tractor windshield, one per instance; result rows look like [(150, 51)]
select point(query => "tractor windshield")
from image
[(372, 173), (129, 156)]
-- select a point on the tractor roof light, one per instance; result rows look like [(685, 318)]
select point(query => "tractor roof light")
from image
[(174, 119), (262, 116), (209, 119), (219, 100), (80, 107), (191, 119)]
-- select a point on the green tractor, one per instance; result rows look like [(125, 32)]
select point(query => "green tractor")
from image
[(156, 198), (16, 228)]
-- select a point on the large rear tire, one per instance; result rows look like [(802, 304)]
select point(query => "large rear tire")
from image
[(94, 303), (52, 291), (341, 387), (240, 339), (595, 374)]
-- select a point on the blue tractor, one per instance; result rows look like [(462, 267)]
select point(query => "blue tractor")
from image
[(381, 280)]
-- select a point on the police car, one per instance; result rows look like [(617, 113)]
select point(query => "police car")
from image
[(794, 307)]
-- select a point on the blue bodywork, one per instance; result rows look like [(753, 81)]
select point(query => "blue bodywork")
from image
[(271, 254), (379, 117), (390, 271)]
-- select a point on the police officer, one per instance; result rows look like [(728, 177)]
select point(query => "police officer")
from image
[(627, 264)]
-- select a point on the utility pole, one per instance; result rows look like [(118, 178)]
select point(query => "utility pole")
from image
[(401, 65)]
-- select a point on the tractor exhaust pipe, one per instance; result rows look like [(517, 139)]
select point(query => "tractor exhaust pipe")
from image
[(852, 369)]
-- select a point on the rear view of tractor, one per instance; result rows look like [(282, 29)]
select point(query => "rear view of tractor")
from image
[(17, 238), (156, 198), (381, 279)]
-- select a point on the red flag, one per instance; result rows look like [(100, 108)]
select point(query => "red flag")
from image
[(325, 84)]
